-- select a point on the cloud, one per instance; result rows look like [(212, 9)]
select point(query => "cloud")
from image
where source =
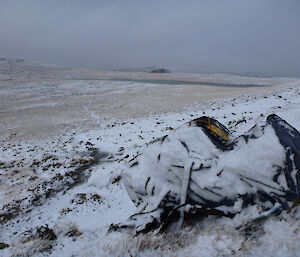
[(196, 36)]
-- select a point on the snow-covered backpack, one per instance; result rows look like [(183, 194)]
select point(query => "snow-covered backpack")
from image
[(200, 169)]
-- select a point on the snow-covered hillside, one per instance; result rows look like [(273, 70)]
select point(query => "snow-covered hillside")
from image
[(39, 100), (20, 68), (71, 182)]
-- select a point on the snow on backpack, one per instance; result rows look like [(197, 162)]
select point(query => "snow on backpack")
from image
[(200, 169)]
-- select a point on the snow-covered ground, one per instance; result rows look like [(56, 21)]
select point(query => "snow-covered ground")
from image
[(71, 180)]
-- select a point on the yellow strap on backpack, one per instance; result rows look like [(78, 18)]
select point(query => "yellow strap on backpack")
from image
[(218, 131)]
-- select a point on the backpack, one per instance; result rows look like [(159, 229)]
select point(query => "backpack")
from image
[(199, 169)]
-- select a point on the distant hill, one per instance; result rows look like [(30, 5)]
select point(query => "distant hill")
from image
[(20, 68)]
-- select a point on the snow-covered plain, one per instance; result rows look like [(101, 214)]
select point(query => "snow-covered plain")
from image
[(71, 179)]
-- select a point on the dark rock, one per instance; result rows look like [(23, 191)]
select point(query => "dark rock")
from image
[(3, 245), (160, 70)]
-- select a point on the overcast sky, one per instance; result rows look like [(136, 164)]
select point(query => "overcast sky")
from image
[(190, 36)]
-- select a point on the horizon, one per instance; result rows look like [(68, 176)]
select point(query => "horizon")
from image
[(148, 69)]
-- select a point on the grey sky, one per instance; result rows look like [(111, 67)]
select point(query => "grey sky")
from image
[(196, 36)]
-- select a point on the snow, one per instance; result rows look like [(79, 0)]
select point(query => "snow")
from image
[(166, 165), (31, 167)]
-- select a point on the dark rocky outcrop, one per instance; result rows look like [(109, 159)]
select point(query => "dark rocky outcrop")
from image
[(160, 70)]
